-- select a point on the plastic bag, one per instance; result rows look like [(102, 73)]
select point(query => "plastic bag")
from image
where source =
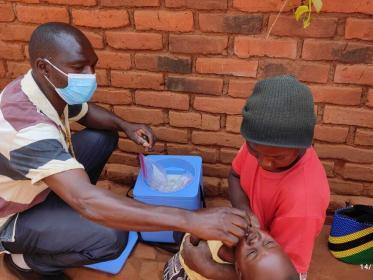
[(157, 177)]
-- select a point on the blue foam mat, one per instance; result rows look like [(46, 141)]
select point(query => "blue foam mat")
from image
[(115, 266)]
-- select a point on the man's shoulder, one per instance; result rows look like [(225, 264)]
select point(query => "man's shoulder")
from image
[(17, 110)]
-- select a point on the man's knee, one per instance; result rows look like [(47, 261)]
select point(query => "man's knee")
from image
[(114, 243), (109, 138)]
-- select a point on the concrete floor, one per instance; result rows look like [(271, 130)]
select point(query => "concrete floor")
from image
[(146, 263)]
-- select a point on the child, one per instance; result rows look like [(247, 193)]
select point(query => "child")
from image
[(256, 257), (276, 176)]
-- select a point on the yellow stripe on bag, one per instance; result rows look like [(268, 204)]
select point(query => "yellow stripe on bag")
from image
[(350, 237), (353, 251)]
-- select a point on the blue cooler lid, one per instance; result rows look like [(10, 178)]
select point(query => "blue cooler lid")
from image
[(176, 163)]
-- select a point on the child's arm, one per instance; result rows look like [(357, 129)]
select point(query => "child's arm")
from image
[(199, 259), (239, 199)]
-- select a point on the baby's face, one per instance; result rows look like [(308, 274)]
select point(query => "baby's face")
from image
[(259, 257)]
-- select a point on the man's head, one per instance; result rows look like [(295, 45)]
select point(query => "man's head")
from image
[(279, 119), (259, 257), (61, 46)]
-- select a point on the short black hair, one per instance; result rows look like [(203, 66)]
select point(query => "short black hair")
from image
[(46, 37)]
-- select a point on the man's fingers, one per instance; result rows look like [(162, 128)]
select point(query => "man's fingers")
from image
[(239, 221), (237, 232), (230, 240), (238, 212)]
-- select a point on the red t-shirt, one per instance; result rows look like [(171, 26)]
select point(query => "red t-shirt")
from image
[(290, 205)]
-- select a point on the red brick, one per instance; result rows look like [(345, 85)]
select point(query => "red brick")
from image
[(364, 137), (201, 44), (341, 201), (16, 69), (364, 7), (210, 122), (314, 49), (344, 152), (136, 80), (345, 187), (357, 28), (2, 71), (163, 99), (16, 32), (227, 155), (216, 170), (121, 173), (336, 95), (208, 154), (26, 1), (127, 145), (73, 2), (140, 115), (11, 51), (355, 74), (263, 6), (134, 40), (320, 28), (233, 124), (95, 39), (335, 134), (227, 66), (113, 60), (179, 21), (349, 116), (112, 96), (199, 5), (329, 167), (358, 172), (102, 77), (189, 119), (100, 18), (130, 3), (41, 14), (4, 82), (6, 12), (169, 134), (163, 63), (226, 23), (222, 105), (250, 46), (370, 98), (195, 84), (240, 88), (304, 71), (124, 158), (217, 138)]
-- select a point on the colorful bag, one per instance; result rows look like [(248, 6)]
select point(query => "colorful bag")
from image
[(351, 235)]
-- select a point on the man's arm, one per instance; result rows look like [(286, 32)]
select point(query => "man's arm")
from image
[(100, 118), (238, 197), (109, 209)]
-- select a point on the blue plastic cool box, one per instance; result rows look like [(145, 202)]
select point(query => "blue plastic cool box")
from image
[(189, 197)]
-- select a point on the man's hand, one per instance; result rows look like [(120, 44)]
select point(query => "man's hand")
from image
[(225, 224), (140, 134)]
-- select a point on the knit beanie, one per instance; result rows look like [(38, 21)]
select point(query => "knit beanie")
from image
[(279, 113)]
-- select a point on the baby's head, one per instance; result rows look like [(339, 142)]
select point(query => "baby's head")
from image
[(259, 257)]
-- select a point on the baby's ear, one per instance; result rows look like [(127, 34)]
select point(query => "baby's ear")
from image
[(226, 254)]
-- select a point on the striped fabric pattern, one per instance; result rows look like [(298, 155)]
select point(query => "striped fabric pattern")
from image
[(32, 145)]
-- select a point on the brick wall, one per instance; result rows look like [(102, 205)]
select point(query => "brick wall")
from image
[(186, 67)]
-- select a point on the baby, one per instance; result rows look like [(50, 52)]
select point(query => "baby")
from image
[(256, 257)]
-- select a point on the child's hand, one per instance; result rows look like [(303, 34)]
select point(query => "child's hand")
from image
[(253, 220)]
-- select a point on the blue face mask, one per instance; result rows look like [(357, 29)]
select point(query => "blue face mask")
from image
[(79, 89)]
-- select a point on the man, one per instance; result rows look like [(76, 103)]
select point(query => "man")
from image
[(276, 176), (75, 224), (256, 257)]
